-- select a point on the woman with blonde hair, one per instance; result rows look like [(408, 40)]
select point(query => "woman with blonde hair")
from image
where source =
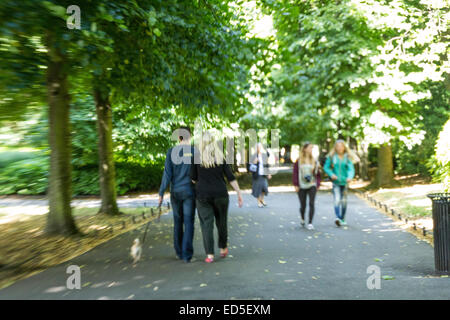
[(304, 180), (212, 200), (339, 167)]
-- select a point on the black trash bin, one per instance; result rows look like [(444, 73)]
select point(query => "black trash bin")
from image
[(441, 231)]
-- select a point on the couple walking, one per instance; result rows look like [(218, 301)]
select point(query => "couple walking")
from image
[(306, 179), (197, 179)]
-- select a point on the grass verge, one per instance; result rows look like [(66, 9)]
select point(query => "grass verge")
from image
[(410, 200), (26, 250)]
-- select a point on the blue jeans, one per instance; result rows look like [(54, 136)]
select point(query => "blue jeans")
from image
[(183, 207), (340, 200)]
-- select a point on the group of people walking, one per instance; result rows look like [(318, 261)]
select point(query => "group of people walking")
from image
[(306, 179), (197, 180)]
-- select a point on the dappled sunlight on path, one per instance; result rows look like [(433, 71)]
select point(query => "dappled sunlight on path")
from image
[(271, 257)]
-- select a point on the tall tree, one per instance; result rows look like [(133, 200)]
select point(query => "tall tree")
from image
[(187, 59), (39, 28), (59, 218), (358, 68)]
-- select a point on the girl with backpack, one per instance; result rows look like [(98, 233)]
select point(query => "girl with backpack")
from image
[(339, 167), (306, 178)]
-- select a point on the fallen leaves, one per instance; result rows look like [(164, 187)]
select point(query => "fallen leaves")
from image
[(38, 251)]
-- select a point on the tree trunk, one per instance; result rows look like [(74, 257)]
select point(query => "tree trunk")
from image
[(107, 170), (59, 218), (353, 145), (385, 172), (364, 163), (339, 130)]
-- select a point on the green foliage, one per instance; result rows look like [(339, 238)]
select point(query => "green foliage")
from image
[(186, 60), (332, 68), (322, 63), (30, 176), (140, 146), (431, 117), (129, 178), (371, 70), (440, 163), (8, 157), (27, 176), (84, 131)]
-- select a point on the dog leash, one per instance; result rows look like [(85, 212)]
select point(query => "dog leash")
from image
[(159, 212), (145, 232), (148, 223)]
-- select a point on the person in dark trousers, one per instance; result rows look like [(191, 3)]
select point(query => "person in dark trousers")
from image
[(260, 174), (182, 194), (208, 172), (304, 180)]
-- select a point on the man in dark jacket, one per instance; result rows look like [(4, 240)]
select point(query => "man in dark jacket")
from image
[(182, 196)]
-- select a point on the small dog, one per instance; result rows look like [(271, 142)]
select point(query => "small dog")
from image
[(136, 250)]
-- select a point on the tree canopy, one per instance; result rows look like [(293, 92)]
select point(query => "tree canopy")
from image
[(109, 94)]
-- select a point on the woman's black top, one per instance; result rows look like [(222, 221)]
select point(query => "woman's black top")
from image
[(210, 182)]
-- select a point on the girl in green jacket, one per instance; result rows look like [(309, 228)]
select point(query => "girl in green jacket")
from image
[(340, 169)]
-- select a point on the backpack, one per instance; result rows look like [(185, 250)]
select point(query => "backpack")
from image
[(332, 162)]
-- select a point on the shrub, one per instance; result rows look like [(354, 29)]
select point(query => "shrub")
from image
[(29, 176), (130, 177), (440, 163)]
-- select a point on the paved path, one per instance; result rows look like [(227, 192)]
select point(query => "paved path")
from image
[(123, 202), (271, 258), (128, 201)]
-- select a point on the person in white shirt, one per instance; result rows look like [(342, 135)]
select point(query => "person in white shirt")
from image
[(304, 180)]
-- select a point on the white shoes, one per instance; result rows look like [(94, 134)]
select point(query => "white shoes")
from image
[(309, 227)]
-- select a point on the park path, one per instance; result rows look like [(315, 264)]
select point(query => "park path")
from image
[(126, 201), (87, 202), (271, 258)]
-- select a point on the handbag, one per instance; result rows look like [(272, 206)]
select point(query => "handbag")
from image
[(318, 176), (253, 167), (318, 179)]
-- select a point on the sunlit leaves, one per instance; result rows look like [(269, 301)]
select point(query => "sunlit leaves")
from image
[(332, 55)]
